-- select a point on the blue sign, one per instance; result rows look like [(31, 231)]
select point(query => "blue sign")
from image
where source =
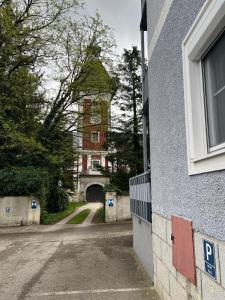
[(34, 204), (110, 202), (209, 257)]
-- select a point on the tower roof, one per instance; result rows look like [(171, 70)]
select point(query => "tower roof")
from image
[(94, 76)]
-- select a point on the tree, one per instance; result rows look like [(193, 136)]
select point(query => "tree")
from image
[(126, 134), (40, 39)]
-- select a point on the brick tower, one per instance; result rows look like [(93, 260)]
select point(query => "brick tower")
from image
[(94, 122)]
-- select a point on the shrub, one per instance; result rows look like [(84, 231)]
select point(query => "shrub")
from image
[(112, 188), (57, 199), (29, 181)]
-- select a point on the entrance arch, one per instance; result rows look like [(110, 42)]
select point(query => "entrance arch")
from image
[(95, 193)]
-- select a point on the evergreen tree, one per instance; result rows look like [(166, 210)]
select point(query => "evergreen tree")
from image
[(126, 135)]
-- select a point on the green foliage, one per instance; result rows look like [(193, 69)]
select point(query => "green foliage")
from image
[(36, 129), (78, 219), (99, 216), (52, 218), (57, 199), (24, 182), (112, 188), (126, 136)]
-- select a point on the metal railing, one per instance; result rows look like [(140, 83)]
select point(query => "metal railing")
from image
[(140, 196)]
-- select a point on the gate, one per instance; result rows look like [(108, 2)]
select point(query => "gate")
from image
[(95, 193)]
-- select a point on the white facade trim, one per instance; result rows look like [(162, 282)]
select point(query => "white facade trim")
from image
[(206, 28), (162, 19)]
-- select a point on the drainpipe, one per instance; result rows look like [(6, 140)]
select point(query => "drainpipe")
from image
[(143, 66)]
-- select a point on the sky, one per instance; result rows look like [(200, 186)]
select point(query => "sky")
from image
[(123, 16)]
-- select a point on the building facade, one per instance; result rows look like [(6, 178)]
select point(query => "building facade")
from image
[(94, 112), (182, 246)]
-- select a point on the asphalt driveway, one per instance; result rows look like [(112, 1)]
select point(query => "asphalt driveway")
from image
[(71, 262)]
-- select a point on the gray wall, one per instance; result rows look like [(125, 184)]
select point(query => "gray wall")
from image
[(200, 197), (154, 8), (142, 243)]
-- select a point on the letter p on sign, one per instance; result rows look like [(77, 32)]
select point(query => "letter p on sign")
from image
[(209, 258), (208, 251)]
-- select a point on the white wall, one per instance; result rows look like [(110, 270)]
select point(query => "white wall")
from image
[(20, 212)]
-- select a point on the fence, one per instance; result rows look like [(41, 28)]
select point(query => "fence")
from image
[(140, 196)]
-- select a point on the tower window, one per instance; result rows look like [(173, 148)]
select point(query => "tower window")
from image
[(95, 137), (95, 164)]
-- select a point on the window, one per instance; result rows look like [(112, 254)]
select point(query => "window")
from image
[(95, 119), (95, 164), (95, 137), (214, 82), (204, 89)]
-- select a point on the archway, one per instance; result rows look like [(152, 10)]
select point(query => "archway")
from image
[(95, 193)]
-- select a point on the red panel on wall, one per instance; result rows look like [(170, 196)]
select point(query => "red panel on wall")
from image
[(183, 247)]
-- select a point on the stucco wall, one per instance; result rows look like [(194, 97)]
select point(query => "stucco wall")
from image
[(123, 208), (142, 243), (20, 211), (120, 209), (154, 8), (200, 197)]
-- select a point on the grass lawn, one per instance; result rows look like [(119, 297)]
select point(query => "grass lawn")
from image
[(52, 218), (99, 216), (78, 219)]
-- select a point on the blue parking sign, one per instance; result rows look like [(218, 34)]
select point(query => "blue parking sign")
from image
[(34, 204), (209, 258), (110, 202)]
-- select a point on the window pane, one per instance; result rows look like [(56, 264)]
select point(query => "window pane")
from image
[(214, 72), (94, 137), (95, 165)]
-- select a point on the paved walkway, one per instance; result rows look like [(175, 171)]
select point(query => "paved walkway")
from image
[(71, 263), (92, 206)]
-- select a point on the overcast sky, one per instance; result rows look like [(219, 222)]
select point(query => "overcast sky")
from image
[(123, 16)]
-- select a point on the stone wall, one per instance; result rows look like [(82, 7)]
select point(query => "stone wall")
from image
[(18, 211), (172, 285)]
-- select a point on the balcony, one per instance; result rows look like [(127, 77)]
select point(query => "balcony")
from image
[(140, 197)]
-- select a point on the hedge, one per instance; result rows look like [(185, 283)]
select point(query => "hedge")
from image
[(29, 181)]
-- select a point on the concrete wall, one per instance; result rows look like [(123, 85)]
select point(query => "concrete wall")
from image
[(120, 209), (142, 243), (172, 285), (200, 197), (123, 208), (18, 211)]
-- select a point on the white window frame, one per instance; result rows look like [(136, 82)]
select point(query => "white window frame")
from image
[(205, 30), (92, 164), (98, 137)]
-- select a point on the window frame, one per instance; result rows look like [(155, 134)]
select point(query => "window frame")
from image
[(96, 132), (204, 32), (206, 99), (92, 164)]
